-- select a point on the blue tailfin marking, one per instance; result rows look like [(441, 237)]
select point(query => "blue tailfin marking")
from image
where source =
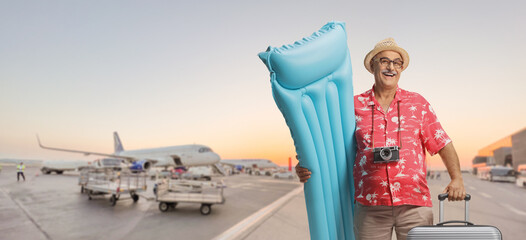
[(117, 143)]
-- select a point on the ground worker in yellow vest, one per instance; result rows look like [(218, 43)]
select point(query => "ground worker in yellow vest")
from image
[(20, 171)]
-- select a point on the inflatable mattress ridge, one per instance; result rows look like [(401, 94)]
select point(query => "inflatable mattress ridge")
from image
[(327, 27), (313, 59)]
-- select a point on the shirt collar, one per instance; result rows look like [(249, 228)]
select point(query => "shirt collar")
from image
[(399, 96)]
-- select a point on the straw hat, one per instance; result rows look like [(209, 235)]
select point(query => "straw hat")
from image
[(384, 45)]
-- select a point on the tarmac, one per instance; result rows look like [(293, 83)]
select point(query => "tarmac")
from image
[(258, 208), (289, 220), (286, 218)]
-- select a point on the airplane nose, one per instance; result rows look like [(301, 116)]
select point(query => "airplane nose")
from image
[(215, 157)]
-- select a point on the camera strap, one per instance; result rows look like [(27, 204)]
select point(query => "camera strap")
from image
[(399, 128)]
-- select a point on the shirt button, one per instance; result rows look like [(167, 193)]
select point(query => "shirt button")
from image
[(388, 167)]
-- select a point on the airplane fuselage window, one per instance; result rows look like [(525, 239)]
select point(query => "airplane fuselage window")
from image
[(204, 149)]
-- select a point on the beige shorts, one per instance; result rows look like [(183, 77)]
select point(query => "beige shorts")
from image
[(377, 222)]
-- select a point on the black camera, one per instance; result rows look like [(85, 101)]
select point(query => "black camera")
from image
[(386, 154)]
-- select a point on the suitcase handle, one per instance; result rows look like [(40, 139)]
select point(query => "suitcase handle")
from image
[(443, 196), (455, 221)]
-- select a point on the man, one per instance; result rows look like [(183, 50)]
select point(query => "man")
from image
[(20, 171), (391, 190)]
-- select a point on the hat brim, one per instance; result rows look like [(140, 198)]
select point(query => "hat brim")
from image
[(372, 53)]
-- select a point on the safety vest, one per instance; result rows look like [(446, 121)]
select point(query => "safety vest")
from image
[(20, 168)]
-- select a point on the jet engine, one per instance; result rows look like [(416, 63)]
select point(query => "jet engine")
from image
[(141, 165)]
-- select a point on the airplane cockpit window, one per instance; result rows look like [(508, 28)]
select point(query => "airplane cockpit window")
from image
[(204, 149)]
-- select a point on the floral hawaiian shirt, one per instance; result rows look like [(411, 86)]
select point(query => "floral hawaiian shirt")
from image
[(402, 182)]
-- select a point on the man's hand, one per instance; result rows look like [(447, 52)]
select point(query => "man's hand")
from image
[(302, 173), (455, 190)]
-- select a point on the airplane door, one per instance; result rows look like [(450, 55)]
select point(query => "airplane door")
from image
[(177, 160)]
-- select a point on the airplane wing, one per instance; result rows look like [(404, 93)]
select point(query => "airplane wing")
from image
[(129, 159)]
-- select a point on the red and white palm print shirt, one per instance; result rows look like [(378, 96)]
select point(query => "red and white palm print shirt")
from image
[(403, 182)]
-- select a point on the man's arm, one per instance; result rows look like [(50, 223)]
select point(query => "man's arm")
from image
[(456, 186)]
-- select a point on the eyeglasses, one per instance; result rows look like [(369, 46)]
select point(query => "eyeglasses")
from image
[(384, 62)]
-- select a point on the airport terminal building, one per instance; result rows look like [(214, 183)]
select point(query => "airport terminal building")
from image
[(518, 149), (508, 151)]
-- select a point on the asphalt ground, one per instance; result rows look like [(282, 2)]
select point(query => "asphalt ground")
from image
[(52, 207), (498, 204)]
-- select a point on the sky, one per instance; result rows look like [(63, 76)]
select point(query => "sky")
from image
[(166, 73)]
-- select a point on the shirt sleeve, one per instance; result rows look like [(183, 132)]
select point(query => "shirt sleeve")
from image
[(433, 135)]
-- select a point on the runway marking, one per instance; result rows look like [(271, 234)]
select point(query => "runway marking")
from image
[(485, 195), (513, 209), (244, 227), (282, 181), (27, 214), (146, 197), (242, 185)]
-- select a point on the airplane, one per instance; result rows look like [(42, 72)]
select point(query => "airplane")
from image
[(252, 165), (60, 166), (144, 159)]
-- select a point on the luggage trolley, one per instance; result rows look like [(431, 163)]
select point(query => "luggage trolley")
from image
[(114, 181), (173, 191)]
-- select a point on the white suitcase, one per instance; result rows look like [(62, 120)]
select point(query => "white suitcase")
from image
[(461, 229)]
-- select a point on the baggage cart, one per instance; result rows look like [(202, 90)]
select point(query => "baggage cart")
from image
[(460, 229), (173, 191), (114, 181)]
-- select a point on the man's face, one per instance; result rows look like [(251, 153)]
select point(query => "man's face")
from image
[(387, 67)]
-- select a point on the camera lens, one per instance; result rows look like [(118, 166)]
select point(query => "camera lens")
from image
[(386, 154)]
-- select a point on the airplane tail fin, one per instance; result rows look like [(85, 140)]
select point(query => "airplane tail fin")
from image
[(117, 143)]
